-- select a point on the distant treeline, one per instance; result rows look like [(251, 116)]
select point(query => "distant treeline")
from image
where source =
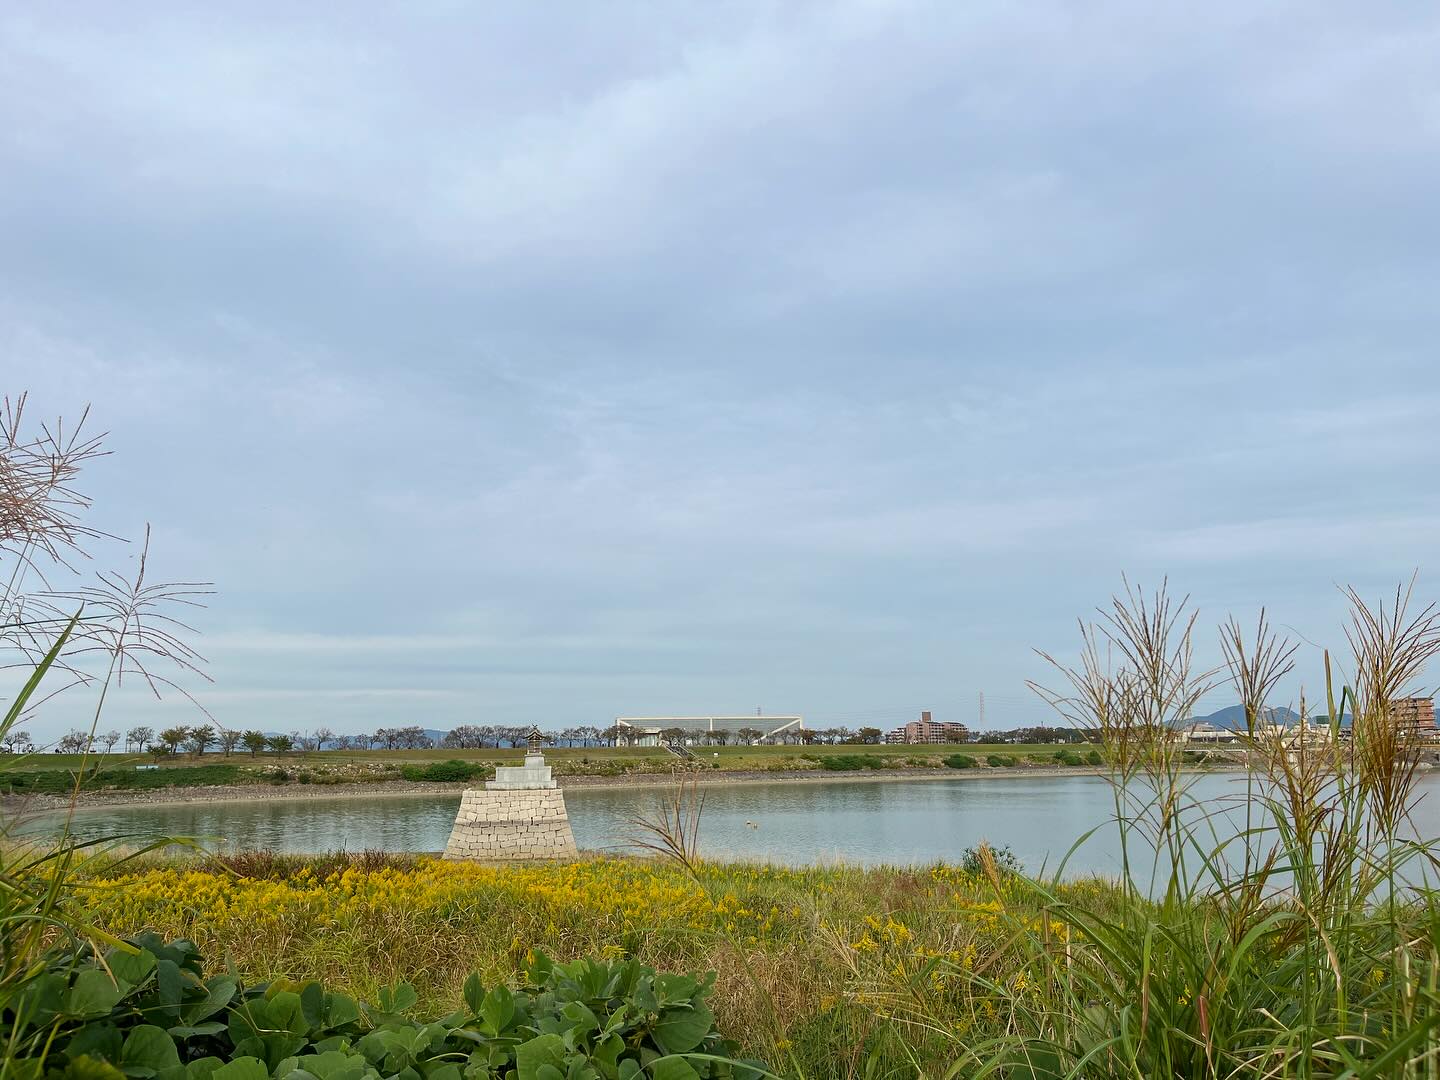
[(206, 738)]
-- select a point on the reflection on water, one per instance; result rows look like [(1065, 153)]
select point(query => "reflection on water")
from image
[(915, 821)]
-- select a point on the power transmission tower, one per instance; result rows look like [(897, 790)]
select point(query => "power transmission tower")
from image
[(982, 710)]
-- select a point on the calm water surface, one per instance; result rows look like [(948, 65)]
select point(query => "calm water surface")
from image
[(917, 821)]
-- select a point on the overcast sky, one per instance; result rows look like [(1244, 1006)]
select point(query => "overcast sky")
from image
[(546, 362)]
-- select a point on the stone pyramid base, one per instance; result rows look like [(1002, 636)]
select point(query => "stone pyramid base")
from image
[(499, 825)]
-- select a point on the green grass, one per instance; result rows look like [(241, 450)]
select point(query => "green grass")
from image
[(53, 773), (729, 757), (800, 952)]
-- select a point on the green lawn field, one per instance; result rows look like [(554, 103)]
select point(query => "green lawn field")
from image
[(736, 758)]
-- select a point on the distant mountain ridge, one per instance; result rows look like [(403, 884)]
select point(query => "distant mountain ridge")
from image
[(1232, 718)]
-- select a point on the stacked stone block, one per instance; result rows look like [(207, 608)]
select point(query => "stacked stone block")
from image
[(518, 815)]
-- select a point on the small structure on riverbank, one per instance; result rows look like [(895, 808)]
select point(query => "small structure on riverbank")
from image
[(518, 815)]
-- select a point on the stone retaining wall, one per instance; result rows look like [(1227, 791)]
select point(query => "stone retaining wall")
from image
[(496, 825)]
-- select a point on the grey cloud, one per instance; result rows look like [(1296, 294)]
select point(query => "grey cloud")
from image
[(830, 355)]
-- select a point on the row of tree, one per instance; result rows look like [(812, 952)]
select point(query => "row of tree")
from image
[(202, 738)]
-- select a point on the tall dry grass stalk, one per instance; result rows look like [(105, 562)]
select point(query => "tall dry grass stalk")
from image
[(56, 636), (1294, 935), (672, 830)]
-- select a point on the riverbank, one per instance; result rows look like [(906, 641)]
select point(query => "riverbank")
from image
[(796, 952), (827, 971), (246, 793)]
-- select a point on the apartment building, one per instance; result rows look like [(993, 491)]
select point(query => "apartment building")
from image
[(927, 731)]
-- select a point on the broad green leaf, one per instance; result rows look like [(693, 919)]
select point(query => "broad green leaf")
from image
[(279, 1046), (398, 998), (131, 969), (219, 992), (147, 1050), (42, 998), (474, 992), (549, 1072), (341, 1010), (242, 1068), (581, 1019), (541, 1050), (675, 988), (630, 1069), (98, 1039), (538, 968), (203, 1068), (169, 987), (681, 1029), (312, 1005), (618, 1019), (336, 1065), (287, 1013), (673, 1068), (189, 1031), (607, 1053), (497, 1010)]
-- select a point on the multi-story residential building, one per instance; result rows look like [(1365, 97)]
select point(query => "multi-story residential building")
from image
[(1414, 714), (925, 730)]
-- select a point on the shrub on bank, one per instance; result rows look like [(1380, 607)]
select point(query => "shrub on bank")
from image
[(445, 772), (1000, 761), (1002, 859), (961, 761), (853, 762)]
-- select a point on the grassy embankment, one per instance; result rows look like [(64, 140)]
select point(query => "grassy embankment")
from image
[(55, 773), (808, 959)]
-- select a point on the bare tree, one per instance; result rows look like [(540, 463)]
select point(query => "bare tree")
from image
[(16, 741), (109, 739), (139, 738), (323, 735)]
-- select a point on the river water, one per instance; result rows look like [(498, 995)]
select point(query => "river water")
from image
[(865, 822)]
